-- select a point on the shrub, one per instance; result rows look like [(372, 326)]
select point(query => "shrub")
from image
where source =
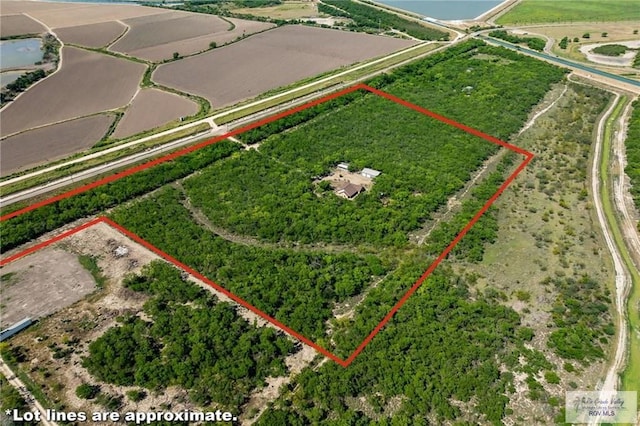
[(87, 391)]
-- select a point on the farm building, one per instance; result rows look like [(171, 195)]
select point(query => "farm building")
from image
[(350, 190), (370, 173), (343, 166), (15, 328)]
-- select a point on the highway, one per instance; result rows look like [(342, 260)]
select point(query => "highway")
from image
[(561, 61)]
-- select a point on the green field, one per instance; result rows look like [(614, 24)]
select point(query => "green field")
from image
[(541, 11)]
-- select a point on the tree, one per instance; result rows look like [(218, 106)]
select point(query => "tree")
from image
[(564, 42), (604, 34), (586, 35), (213, 45), (176, 55)]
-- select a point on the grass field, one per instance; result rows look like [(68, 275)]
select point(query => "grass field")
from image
[(535, 11), (546, 230), (286, 10)]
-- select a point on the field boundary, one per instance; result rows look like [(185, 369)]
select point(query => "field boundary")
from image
[(528, 156)]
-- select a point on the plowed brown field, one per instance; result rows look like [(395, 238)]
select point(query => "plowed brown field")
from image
[(157, 37), (270, 60), (50, 143), (91, 35), (61, 15), (87, 83), (152, 108), (12, 25)]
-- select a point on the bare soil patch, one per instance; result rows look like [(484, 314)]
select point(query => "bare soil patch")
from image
[(87, 83), (167, 27), (91, 35), (12, 25), (200, 44), (269, 60), (152, 108), (41, 284), (60, 15), (50, 143), (341, 177), (624, 60), (260, 399)]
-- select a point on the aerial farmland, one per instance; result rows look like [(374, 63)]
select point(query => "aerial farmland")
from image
[(292, 212), (126, 40), (301, 51)]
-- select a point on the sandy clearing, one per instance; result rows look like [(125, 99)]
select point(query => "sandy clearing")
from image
[(148, 31), (12, 25), (60, 15), (624, 60), (44, 282), (87, 83), (261, 398), (200, 44), (50, 143), (270, 60), (152, 108), (91, 35)]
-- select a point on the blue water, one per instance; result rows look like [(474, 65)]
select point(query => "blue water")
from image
[(446, 10), (20, 53), (9, 77)]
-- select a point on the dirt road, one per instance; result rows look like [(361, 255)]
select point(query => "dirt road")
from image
[(31, 401), (622, 277), (622, 197)]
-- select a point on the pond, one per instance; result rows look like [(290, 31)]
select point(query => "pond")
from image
[(20, 53)]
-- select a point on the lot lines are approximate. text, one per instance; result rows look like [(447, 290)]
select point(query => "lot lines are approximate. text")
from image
[(344, 362)]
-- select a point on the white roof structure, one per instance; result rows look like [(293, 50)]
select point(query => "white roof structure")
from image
[(370, 173)]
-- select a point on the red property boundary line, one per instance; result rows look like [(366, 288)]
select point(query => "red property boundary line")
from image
[(528, 157)]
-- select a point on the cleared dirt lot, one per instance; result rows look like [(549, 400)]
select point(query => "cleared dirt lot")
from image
[(50, 143), (91, 35), (270, 60), (152, 108), (11, 25), (87, 83), (157, 37), (41, 284)]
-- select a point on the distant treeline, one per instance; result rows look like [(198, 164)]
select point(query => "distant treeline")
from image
[(369, 18)]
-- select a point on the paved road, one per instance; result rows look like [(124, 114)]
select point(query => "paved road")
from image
[(562, 61)]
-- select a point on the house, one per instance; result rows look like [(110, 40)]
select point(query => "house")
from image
[(370, 173), (350, 190), (343, 166)]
